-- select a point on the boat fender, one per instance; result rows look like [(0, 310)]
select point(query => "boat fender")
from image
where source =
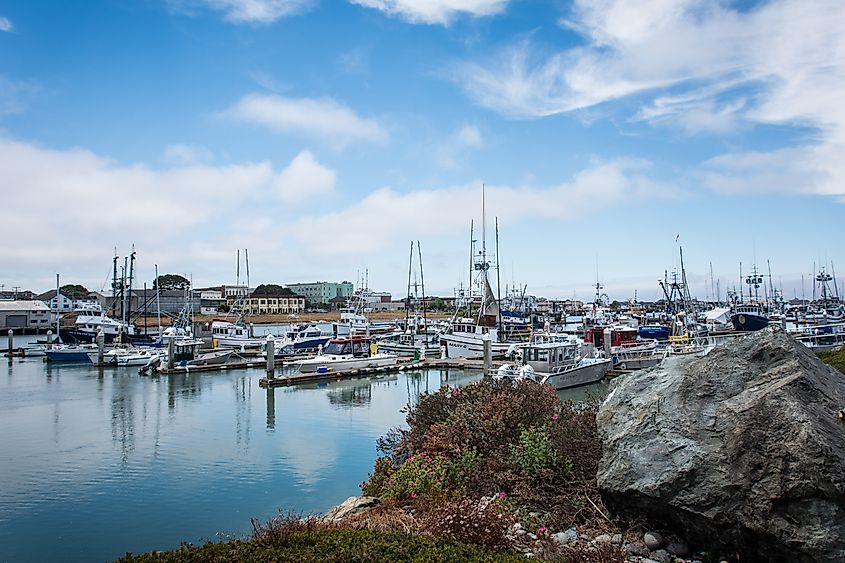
[(503, 371), (526, 372)]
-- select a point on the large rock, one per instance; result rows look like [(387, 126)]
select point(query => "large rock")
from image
[(741, 450), (349, 507)]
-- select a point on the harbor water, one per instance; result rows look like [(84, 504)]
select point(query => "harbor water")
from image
[(95, 463)]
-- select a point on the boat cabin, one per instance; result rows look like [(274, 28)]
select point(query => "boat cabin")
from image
[(619, 336), (550, 357), (356, 347)]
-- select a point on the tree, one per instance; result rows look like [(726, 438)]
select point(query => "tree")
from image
[(271, 289), (171, 281), (74, 291)]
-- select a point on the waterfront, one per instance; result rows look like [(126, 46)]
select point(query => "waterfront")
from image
[(99, 462)]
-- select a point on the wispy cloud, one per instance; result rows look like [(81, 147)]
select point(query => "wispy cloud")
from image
[(386, 216), (324, 118), (435, 11), (246, 11), (16, 95), (458, 146), (181, 155), (701, 66), (5, 24)]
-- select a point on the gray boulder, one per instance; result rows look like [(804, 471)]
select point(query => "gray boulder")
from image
[(350, 507), (741, 450)]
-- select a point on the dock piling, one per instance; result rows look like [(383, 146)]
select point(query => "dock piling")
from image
[(171, 352), (271, 358), (49, 339), (101, 344), (11, 345), (488, 356), (608, 338)]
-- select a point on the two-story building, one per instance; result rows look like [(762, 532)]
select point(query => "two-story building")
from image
[(274, 304)]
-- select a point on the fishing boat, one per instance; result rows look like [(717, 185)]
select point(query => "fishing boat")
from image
[(89, 319), (557, 363), (213, 358), (407, 344), (342, 354), (234, 335)]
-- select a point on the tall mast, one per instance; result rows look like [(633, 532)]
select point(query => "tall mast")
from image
[(131, 274), (408, 302), (713, 285), (123, 289), (422, 282), (835, 287), (498, 285), (741, 290), (58, 314), (471, 258), (114, 286), (158, 304)]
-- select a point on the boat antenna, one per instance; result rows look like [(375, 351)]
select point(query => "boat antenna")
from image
[(741, 290), (498, 285), (422, 282), (246, 259), (833, 273), (238, 271)]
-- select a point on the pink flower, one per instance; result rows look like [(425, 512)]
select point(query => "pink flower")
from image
[(390, 481), (555, 417), (541, 530), (501, 495), (429, 459), (413, 495), (457, 450)]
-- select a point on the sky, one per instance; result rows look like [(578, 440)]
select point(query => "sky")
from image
[(324, 136)]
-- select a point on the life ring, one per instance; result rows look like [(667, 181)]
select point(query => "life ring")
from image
[(742, 319)]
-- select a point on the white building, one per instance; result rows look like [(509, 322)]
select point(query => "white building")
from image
[(25, 315)]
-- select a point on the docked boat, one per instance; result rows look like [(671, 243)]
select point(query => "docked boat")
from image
[(69, 352), (213, 358), (408, 344), (557, 363), (234, 335), (89, 320), (821, 338), (342, 354), (749, 317)]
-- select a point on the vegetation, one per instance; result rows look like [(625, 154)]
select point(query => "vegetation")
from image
[(835, 358), (273, 290), (517, 444), (293, 539), (171, 281), (74, 291)]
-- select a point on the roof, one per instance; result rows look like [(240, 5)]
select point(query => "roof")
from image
[(24, 305), (49, 295)]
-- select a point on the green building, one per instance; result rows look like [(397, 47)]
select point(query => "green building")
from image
[(322, 292)]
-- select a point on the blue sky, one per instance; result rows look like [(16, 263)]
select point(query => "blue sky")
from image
[(324, 136)]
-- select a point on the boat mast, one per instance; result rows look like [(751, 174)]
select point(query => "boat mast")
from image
[(408, 302), (471, 259), (835, 287), (114, 286), (58, 314), (422, 282), (131, 274), (158, 303), (123, 289), (498, 286)]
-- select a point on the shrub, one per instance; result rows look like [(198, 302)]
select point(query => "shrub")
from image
[(483, 522), (535, 451)]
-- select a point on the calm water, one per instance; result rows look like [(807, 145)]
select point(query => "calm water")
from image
[(95, 463)]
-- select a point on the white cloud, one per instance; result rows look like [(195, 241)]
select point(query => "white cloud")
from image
[(699, 65), (305, 178), (386, 216), (457, 148), (435, 11), (324, 118), (64, 210), (469, 136), (186, 154), (247, 11), (5, 24)]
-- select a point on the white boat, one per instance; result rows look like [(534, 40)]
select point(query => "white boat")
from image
[(821, 338), (556, 363), (408, 344), (342, 354), (234, 335), (465, 339), (213, 358), (123, 357), (69, 352), (90, 319)]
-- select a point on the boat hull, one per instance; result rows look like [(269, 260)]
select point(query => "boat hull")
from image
[(334, 365), (76, 336), (459, 346), (60, 355), (748, 322), (584, 373)]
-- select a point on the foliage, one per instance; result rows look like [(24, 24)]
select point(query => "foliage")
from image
[(74, 291), (834, 358), (535, 451), (482, 522), (170, 281), (524, 442), (310, 540), (272, 290)]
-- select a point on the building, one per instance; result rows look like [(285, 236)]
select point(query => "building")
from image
[(274, 304), (322, 292), (25, 315), (18, 295), (65, 303), (211, 300)]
